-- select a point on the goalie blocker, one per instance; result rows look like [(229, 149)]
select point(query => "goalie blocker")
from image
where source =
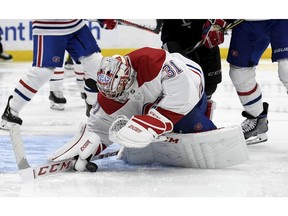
[(214, 149)]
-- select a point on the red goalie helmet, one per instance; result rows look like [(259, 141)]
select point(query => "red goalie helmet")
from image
[(114, 77)]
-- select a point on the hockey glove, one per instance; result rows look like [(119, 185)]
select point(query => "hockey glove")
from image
[(141, 130), (213, 33), (107, 23)]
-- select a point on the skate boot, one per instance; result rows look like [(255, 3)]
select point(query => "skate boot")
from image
[(255, 128), (9, 117), (57, 100), (5, 57)]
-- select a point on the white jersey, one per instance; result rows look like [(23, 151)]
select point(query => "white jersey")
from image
[(56, 26), (170, 82)]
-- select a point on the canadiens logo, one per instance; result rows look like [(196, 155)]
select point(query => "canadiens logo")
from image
[(56, 59), (198, 126), (103, 78), (234, 53)]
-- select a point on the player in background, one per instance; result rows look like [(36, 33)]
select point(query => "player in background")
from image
[(177, 35), (248, 42), (144, 95), (50, 40), (3, 55), (56, 96)]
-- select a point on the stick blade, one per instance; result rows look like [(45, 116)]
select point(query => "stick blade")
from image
[(18, 147), (27, 172)]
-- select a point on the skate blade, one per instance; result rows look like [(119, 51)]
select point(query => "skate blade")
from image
[(57, 106), (257, 139)]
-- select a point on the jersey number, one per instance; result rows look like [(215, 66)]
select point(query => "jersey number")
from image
[(171, 69)]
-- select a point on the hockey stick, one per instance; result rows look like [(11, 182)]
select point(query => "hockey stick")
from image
[(200, 43), (29, 173), (149, 28)]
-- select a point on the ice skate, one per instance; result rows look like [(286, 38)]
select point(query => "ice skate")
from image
[(9, 117), (255, 128), (57, 100), (5, 57)]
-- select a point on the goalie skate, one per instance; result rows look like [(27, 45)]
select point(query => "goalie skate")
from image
[(257, 139)]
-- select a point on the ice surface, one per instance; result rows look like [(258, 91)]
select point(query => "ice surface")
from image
[(44, 130)]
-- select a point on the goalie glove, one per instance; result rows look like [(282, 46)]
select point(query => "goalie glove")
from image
[(141, 130), (213, 33), (118, 123), (107, 23), (83, 147)]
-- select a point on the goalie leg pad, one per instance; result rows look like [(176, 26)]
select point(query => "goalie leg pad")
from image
[(83, 146), (207, 150)]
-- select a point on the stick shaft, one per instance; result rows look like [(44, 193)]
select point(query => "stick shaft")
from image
[(149, 28)]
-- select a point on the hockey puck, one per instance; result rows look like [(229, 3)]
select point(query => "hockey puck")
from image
[(91, 167)]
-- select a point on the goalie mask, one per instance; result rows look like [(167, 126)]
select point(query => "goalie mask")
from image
[(115, 77)]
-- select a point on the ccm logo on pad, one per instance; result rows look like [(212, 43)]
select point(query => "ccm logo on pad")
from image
[(135, 128), (85, 145)]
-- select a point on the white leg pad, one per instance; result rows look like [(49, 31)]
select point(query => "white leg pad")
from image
[(215, 149), (83, 144)]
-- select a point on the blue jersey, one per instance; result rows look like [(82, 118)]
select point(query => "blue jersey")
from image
[(52, 37), (250, 39)]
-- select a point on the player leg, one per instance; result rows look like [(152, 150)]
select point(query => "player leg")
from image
[(37, 76), (90, 57), (79, 74), (91, 65), (279, 44), (243, 57), (283, 72), (256, 124), (25, 90), (57, 100)]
